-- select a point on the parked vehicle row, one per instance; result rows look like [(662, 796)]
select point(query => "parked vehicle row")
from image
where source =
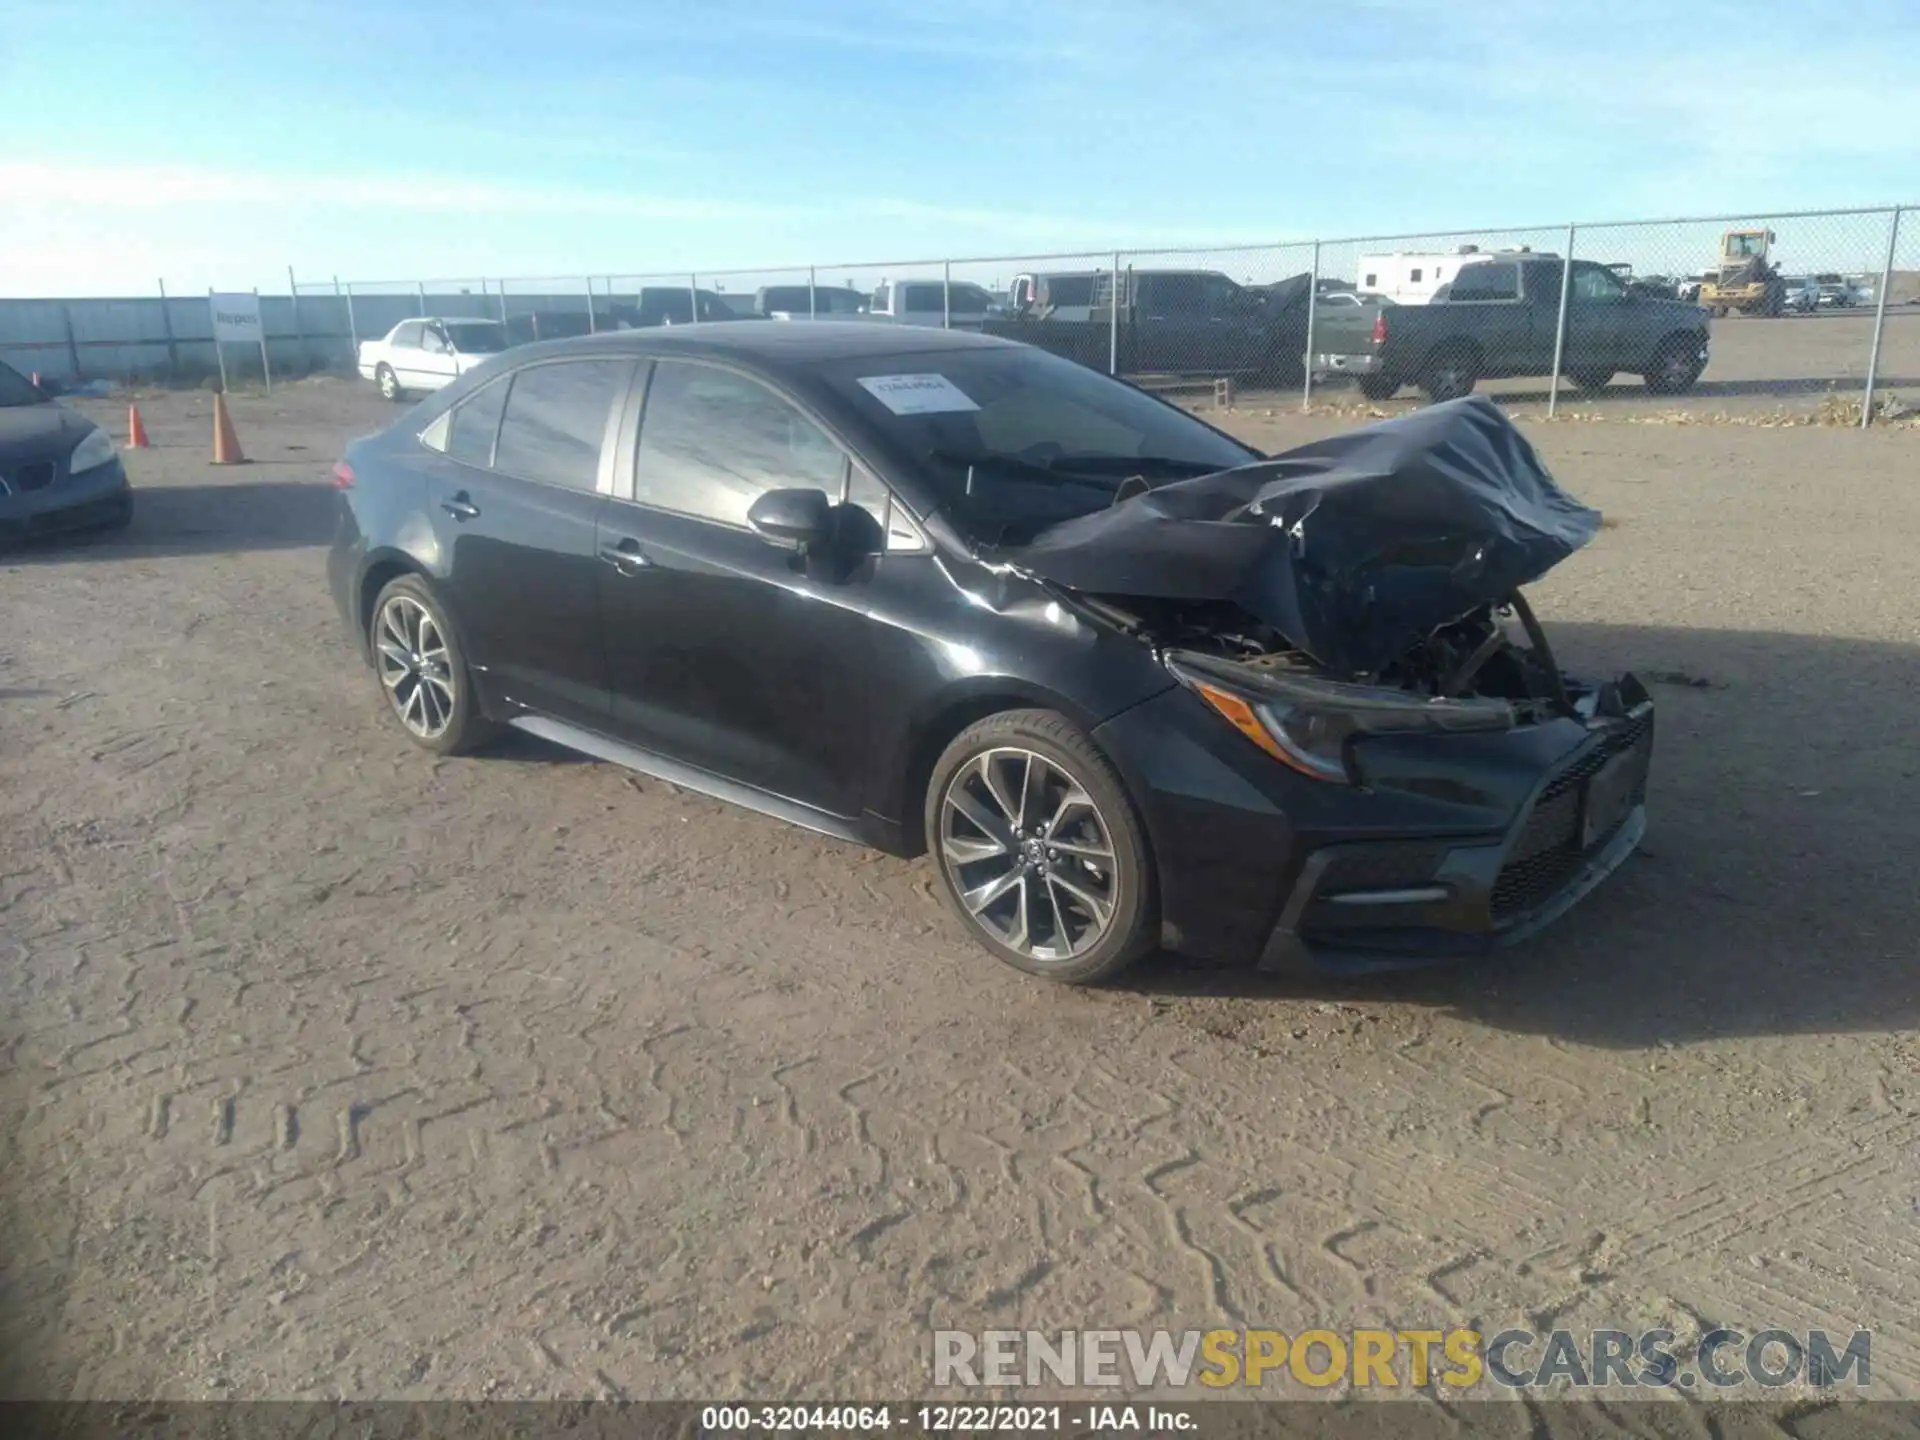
[(1499, 317)]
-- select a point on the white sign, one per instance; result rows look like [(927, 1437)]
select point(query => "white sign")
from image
[(237, 318), (917, 394)]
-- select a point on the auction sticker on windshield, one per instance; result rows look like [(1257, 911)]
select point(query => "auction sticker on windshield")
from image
[(917, 394)]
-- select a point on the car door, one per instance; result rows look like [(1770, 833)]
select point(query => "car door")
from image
[(1600, 322), (722, 651), (405, 356), (1504, 324), (1172, 332), (438, 362), (527, 466)]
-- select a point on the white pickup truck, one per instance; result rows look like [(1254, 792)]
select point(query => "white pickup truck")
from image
[(418, 355)]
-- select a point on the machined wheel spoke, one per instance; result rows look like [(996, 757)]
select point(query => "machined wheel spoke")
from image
[(1100, 909), (1009, 805), (981, 896), (967, 850), (993, 826)]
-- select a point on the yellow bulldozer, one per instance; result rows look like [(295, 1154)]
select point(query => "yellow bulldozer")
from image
[(1744, 282)]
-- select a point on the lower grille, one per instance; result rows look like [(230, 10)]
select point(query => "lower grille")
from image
[(1379, 870), (1547, 855), (32, 477)]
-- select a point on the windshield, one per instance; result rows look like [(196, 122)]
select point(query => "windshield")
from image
[(477, 339), (1016, 440), (16, 389)]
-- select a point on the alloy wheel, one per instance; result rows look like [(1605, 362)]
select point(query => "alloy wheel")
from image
[(1029, 855), (416, 667)]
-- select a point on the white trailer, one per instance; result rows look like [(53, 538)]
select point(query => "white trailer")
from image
[(1410, 277)]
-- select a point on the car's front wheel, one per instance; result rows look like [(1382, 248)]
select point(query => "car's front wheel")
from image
[(388, 382), (1676, 366), (422, 670), (1039, 849), (1378, 387)]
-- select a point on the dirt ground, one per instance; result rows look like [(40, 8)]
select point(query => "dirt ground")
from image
[(330, 1069)]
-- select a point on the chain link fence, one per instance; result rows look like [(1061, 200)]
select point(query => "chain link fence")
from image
[(1795, 314)]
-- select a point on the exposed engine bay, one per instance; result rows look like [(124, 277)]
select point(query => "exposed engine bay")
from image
[(1499, 652)]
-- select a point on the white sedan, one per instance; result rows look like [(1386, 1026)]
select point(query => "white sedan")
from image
[(419, 355)]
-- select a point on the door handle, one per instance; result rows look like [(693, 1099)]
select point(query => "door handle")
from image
[(627, 557), (460, 507)]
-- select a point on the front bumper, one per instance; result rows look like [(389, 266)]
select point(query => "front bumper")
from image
[(1455, 846), (70, 502)]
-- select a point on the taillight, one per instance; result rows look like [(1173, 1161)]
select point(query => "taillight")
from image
[(342, 475), (1380, 327)]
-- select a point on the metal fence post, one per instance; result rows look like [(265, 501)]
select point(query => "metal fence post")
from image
[(1313, 309), (353, 330), (73, 345), (592, 327), (946, 294), (1560, 327), (266, 365), (503, 302), (813, 303), (166, 324), (421, 287), (219, 350), (299, 335), (1113, 321), (693, 299), (1880, 318)]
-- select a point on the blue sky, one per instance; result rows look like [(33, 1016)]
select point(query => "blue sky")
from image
[(217, 144)]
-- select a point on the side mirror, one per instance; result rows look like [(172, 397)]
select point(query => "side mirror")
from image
[(793, 519)]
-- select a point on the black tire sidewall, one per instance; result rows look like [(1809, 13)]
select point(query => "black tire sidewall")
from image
[(468, 727), (1136, 924), (388, 381)]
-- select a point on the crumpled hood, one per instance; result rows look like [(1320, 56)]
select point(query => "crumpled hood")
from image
[(39, 432), (1355, 548)]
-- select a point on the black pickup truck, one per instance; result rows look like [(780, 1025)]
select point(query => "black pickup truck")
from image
[(1497, 319), (1171, 323)]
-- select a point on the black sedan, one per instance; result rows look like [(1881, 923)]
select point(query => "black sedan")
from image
[(58, 470), (1132, 683)]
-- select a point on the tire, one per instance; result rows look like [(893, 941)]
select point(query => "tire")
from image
[(1591, 381), (427, 687), (1047, 922), (1675, 367), (388, 382), (1451, 374), (1378, 387)]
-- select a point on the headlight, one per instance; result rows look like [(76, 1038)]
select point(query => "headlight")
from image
[(1309, 724), (91, 453)]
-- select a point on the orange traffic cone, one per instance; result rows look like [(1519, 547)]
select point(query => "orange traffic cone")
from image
[(226, 444), (136, 430)]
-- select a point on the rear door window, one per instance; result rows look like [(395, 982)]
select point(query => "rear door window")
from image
[(407, 335), (476, 420), (712, 442), (555, 420)]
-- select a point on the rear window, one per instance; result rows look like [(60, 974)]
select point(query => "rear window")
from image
[(1487, 282), (555, 419)]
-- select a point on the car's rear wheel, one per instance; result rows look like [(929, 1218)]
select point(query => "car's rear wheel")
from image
[(1378, 387), (388, 382), (1591, 380), (1451, 374), (422, 670), (1039, 849)]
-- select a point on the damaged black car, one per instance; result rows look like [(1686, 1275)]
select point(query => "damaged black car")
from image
[(1130, 683)]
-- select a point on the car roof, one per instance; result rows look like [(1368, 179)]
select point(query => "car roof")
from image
[(770, 344)]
